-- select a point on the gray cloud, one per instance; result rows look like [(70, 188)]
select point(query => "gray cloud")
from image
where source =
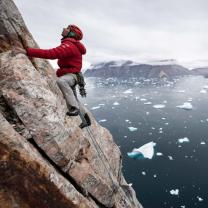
[(124, 29)]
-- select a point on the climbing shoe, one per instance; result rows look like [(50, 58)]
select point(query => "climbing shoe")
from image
[(86, 122)]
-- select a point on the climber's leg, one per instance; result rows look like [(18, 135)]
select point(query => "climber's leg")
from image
[(66, 84)]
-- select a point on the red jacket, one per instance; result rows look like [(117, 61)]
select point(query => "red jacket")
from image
[(69, 55)]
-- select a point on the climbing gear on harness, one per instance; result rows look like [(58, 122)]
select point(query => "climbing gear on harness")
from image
[(74, 113), (81, 83), (86, 123)]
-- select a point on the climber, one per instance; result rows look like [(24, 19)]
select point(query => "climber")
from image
[(69, 55)]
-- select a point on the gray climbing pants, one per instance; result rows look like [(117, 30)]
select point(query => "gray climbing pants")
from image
[(67, 85)]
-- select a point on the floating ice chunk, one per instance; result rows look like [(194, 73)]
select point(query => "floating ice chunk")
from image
[(116, 103), (185, 106), (102, 104), (203, 91), (85, 104), (200, 199), (145, 151), (131, 128), (143, 99), (127, 120), (154, 175), (102, 120), (181, 91), (163, 118), (159, 106), (143, 173), (148, 103), (129, 91), (205, 86), (147, 113), (159, 154), (170, 157), (165, 101), (174, 192), (202, 143), (182, 140), (183, 206), (94, 108), (166, 123), (190, 99)]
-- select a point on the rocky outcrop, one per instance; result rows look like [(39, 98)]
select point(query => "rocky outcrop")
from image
[(46, 159), (129, 69)]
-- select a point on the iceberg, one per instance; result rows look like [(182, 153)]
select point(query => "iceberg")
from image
[(159, 106), (174, 192), (182, 140), (129, 91), (185, 106), (131, 128), (203, 91), (95, 107), (145, 151)]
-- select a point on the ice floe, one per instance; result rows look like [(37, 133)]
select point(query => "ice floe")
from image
[(203, 91), (95, 107), (159, 154), (102, 120), (129, 91), (199, 198), (174, 192), (158, 106), (143, 173), (131, 128), (145, 151), (116, 103), (203, 143), (182, 140), (148, 103), (185, 106), (170, 157)]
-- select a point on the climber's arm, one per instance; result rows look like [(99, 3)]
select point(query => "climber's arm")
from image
[(61, 51)]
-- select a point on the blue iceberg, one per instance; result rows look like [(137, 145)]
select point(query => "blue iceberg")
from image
[(145, 151)]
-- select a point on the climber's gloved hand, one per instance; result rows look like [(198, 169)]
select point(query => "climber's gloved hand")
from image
[(18, 50)]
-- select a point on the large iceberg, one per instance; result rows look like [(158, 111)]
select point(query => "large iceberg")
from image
[(145, 151)]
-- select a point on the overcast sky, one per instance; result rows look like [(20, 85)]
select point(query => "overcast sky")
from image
[(140, 30)]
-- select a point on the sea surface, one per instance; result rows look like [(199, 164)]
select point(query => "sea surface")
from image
[(140, 111)]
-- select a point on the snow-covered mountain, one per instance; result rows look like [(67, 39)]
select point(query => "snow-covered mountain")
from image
[(129, 69)]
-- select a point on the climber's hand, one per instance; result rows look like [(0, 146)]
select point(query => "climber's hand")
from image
[(18, 50)]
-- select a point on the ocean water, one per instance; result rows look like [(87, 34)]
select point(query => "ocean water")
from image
[(140, 112)]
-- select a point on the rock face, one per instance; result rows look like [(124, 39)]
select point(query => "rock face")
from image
[(129, 69), (46, 159)]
